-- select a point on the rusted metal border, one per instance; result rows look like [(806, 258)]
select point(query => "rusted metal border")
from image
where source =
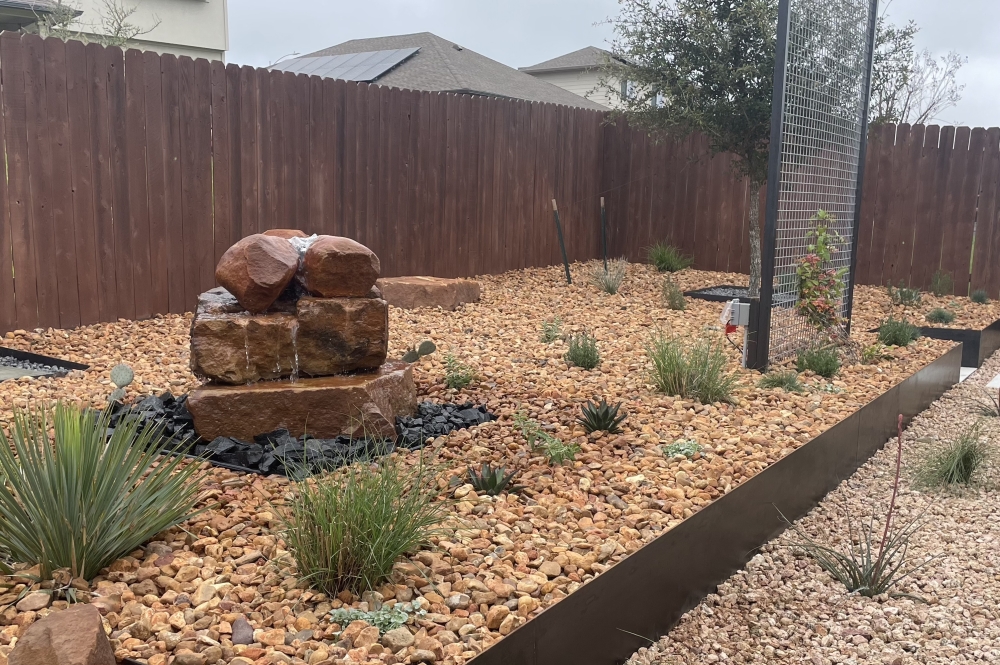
[(643, 597)]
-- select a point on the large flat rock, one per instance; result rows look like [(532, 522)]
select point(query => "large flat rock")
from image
[(414, 292), (354, 404)]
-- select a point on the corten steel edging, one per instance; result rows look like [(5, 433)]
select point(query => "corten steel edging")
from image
[(44, 360), (977, 345), (641, 598)]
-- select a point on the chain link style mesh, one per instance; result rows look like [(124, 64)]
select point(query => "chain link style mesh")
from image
[(821, 141)]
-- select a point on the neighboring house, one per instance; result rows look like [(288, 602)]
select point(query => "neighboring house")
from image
[(582, 73), (17, 14), (424, 61), (197, 28)]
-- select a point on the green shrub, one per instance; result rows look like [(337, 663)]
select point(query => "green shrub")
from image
[(822, 360), (555, 451), (492, 480), (958, 463), (699, 372), (673, 297), (81, 500), (903, 295), (457, 374), (601, 417), (979, 297), (942, 284), (346, 529), (874, 353), (551, 330), (668, 258), (940, 315), (685, 447), (897, 332), (582, 351), (609, 280), (788, 381)]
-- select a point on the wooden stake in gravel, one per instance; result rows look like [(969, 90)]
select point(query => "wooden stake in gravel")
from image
[(604, 234), (562, 245)]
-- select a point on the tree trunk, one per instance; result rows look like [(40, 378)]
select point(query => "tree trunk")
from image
[(755, 239)]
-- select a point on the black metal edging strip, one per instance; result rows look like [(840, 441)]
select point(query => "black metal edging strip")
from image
[(862, 157), (759, 334), (642, 597), (40, 359)]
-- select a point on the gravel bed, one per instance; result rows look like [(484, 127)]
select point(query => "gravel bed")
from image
[(873, 304), (783, 608), (508, 557)]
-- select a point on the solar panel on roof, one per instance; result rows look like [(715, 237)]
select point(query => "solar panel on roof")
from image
[(363, 67)]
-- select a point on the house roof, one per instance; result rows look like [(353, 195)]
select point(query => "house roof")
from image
[(16, 14), (588, 57), (365, 67), (447, 67)]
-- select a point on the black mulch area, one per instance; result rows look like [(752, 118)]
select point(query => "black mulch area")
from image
[(278, 452)]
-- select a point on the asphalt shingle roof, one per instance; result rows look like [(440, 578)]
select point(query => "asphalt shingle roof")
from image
[(586, 58), (444, 66)]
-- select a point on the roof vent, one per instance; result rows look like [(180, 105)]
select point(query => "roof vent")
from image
[(457, 47)]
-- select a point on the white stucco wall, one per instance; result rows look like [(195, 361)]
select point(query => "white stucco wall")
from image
[(583, 82), (198, 28)]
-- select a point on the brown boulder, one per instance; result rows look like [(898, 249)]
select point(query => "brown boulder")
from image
[(74, 636), (326, 407), (335, 267), (337, 335), (414, 292), (257, 269), (229, 345), (285, 233)]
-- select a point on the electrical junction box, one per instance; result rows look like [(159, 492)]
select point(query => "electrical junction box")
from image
[(736, 313)]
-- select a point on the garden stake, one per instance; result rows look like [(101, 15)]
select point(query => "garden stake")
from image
[(604, 235), (562, 245)]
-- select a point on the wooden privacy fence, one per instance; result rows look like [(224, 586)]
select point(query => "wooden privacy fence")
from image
[(129, 174)]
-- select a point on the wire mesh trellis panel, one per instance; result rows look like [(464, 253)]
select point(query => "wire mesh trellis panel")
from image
[(822, 81)]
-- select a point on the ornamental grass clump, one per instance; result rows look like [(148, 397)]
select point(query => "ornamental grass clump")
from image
[(609, 280), (787, 381), (940, 315), (871, 565), (942, 284), (673, 297), (960, 462), (667, 258), (346, 529), (979, 297), (79, 499), (699, 372)]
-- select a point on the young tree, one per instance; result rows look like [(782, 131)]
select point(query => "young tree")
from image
[(705, 66), (113, 25)]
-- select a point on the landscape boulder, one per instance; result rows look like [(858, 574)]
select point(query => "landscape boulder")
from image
[(351, 405), (285, 233), (338, 335), (414, 292), (74, 636), (336, 267), (257, 269)]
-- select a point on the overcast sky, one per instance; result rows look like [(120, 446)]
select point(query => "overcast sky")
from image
[(522, 32)]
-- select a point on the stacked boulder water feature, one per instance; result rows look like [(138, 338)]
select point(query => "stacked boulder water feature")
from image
[(296, 338)]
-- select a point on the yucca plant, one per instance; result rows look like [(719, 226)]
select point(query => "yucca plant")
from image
[(957, 463), (492, 480), (871, 565), (609, 280), (81, 499), (667, 258), (601, 417), (787, 381), (987, 404), (346, 529)]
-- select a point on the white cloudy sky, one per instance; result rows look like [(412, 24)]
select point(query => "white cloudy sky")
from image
[(523, 32)]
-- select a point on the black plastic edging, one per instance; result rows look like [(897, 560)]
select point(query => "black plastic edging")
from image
[(642, 597), (42, 360)]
